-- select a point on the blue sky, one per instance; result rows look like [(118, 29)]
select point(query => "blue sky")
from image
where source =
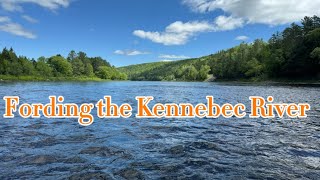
[(138, 31)]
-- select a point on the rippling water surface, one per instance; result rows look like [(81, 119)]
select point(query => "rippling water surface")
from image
[(160, 148)]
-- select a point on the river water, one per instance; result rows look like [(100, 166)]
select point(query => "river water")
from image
[(160, 148)]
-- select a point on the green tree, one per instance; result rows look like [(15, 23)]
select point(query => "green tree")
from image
[(4, 66), (203, 73), (88, 70), (315, 54), (191, 73), (60, 66), (123, 76), (72, 55), (104, 72), (27, 66), (77, 67), (43, 68)]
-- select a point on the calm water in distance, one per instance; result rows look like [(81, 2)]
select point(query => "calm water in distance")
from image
[(160, 148)]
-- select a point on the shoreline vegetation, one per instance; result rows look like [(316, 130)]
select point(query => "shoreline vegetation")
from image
[(8, 78), (275, 82), (291, 56), (76, 67)]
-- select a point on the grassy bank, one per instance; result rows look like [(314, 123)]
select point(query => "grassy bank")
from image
[(8, 78), (39, 78)]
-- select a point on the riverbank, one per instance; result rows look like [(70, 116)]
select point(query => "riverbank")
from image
[(273, 82), (39, 78)]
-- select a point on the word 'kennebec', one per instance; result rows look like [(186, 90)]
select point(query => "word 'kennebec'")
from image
[(259, 108), (106, 109)]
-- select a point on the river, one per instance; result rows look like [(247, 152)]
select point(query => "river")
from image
[(160, 148)]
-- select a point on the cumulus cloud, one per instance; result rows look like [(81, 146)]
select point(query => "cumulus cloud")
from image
[(259, 11), (238, 14), (242, 38), (29, 19), (189, 27), (177, 33), (15, 5), (17, 29), (223, 23), (130, 52), (169, 56), (163, 37)]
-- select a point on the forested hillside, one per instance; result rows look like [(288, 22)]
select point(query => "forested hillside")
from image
[(186, 70), (291, 54), (76, 66)]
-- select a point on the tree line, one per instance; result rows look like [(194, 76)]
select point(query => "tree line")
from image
[(291, 54), (76, 65), (184, 70)]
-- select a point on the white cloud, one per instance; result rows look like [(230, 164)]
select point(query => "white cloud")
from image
[(238, 14), (189, 27), (17, 29), (163, 38), (177, 33), (15, 5), (168, 56), (6, 25), (166, 60), (269, 12), (223, 23), (29, 19), (4, 19), (242, 38), (130, 52)]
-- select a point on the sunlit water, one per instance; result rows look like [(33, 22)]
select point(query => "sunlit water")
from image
[(160, 148)]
